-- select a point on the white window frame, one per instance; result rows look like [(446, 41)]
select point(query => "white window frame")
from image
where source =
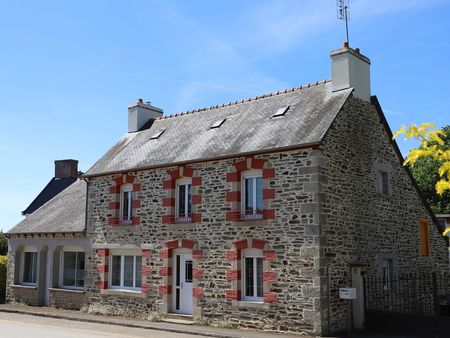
[(61, 270), (180, 182), (251, 253), (251, 174), (123, 189), (22, 264), (122, 272)]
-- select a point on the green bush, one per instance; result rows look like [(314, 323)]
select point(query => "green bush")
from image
[(3, 264)]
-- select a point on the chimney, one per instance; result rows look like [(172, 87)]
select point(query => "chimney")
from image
[(351, 69), (66, 168), (141, 115)]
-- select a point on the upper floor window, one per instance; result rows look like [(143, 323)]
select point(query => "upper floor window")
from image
[(252, 194), (29, 272), (183, 200), (73, 269), (252, 271), (383, 178), (126, 272), (126, 202)]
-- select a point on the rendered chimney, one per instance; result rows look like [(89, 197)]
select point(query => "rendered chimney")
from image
[(141, 114), (66, 168), (351, 69)]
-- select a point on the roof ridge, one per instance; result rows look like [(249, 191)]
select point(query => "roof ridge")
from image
[(279, 92)]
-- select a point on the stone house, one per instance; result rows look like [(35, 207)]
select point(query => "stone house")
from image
[(256, 212), (47, 249)]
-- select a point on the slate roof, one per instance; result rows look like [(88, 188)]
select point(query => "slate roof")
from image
[(249, 128), (53, 188), (66, 212)]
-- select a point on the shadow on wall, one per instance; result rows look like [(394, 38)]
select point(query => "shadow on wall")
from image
[(3, 264)]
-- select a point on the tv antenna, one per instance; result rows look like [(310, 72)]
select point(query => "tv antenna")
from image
[(343, 13)]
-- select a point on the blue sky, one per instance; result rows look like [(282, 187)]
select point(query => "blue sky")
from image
[(70, 69)]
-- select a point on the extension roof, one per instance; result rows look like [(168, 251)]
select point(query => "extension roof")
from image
[(249, 128), (66, 212), (53, 188)]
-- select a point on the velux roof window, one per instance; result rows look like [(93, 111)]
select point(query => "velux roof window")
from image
[(281, 111), (218, 123), (157, 135)]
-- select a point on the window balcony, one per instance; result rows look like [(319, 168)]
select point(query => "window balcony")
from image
[(245, 215)]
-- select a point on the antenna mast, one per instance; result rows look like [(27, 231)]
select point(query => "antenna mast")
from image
[(343, 13)]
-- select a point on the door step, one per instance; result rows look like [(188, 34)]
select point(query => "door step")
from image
[(179, 319)]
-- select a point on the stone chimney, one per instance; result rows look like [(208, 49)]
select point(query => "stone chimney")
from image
[(66, 168), (141, 114), (350, 69)]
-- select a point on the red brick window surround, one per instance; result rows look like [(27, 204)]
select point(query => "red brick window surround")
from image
[(250, 194), (251, 256), (125, 205), (182, 196)]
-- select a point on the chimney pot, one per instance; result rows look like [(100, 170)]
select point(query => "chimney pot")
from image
[(140, 101), (66, 168), (345, 45), (141, 113)]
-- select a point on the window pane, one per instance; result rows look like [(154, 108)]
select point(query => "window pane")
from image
[(189, 200), (29, 271), (259, 193), (181, 199), (70, 259), (128, 271), (79, 282), (249, 280), (384, 183), (249, 194), (259, 277), (138, 271), (115, 272), (188, 272), (126, 196)]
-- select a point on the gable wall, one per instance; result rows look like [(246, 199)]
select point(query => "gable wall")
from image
[(291, 259), (360, 225)]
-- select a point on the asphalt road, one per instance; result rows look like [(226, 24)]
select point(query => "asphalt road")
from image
[(18, 326)]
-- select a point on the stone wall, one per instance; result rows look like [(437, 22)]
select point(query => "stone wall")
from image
[(360, 226), (289, 239), (67, 299)]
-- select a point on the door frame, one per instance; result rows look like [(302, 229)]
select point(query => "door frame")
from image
[(182, 252)]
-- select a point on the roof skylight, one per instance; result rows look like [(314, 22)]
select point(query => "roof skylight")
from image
[(218, 123), (281, 111), (157, 135)]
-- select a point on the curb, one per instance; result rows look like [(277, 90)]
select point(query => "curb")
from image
[(125, 324)]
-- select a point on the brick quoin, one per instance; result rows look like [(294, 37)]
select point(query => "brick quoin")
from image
[(197, 273), (241, 244), (118, 180), (146, 288), (146, 253), (268, 194), (165, 253), (196, 181), (269, 214), (188, 172), (258, 243), (165, 289), (102, 252), (196, 199), (258, 163), (197, 255), (268, 173), (232, 274), (269, 255), (145, 271), (233, 196), (241, 165), (233, 294), (130, 179), (135, 220), (269, 276), (102, 268), (165, 271), (187, 243), (114, 189), (113, 221), (233, 177), (113, 205), (175, 174), (233, 255), (197, 292), (270, 297), (196, 218), (168, 184), (136, 187), (102, 285), (167, 219), (173, 244), (135, 204)]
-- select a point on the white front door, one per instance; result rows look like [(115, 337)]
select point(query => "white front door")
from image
[(182, 282)]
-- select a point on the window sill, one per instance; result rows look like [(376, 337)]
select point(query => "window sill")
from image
[(77, 291), (250, 305), (123, 292), (22, 286), (384, 195)]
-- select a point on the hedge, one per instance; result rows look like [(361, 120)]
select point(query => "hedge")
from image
[(3, 264)]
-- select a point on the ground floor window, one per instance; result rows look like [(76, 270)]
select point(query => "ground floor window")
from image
[(29, 267), (126, 272), (73, 269), (252, 275)]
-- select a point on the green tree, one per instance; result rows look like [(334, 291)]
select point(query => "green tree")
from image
[(3, 244)]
